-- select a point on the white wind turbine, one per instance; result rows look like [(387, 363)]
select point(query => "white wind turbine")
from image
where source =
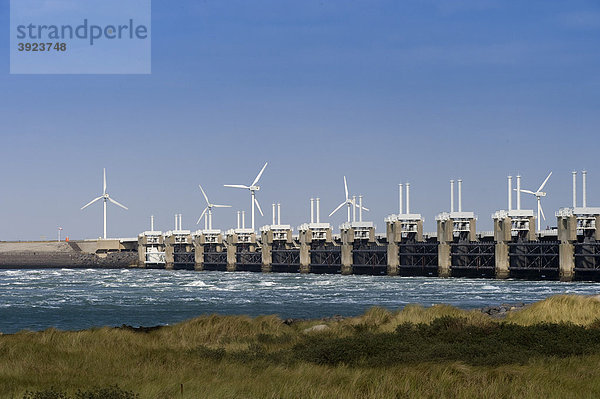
[(349, 202), (106, 198), (538, 195), (253, 188), (207, 212)]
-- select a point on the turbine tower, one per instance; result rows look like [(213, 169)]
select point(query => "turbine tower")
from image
[(106, 198), (538, 195), (209, 207), (350, 202), (253, 189)]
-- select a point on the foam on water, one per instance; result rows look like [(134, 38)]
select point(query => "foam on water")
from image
[(196, 284), (77, 299)]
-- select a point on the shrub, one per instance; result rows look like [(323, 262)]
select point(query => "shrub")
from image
[(51, 393), (112, 392)]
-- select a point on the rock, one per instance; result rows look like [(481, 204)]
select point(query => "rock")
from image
[(140, 329), (317, 328), (502, 310)]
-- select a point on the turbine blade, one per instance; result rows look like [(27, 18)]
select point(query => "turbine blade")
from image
[(259, 174), (542, 210), (358, 206), (104, 185), (258, 206), (346, 188), (90, 203), (338, 208), (527, 191), (116, 203), (202, 215), (236, 186), (203, 193), (221, 206), (544, 183)]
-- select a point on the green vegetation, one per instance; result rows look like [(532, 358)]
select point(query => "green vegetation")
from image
[(549, 349), (96, 393)]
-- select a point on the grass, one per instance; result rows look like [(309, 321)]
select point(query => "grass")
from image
[(549, 349)]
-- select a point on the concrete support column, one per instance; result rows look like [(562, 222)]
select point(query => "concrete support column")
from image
[(566, 254), (305, 238), (198, 255), (532, 235), (567, 235), (419, 236), (231, 253), (169, 260), (169, 253), (502, 235), (444, 259), (502, 260), (346, 250), (445, 238), (472, 230), (141, 252), (266, 251), (394, 235)]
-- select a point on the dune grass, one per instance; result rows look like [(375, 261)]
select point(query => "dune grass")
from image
[(549, 349)]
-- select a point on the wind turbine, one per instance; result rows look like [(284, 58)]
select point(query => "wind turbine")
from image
[(538, 195), (349, 202), (106, 198), (253, 189), (209, 207)]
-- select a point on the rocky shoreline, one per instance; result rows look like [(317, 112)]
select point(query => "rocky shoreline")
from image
[(502, 310), (498, 312)]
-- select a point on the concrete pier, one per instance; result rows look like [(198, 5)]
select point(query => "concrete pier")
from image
[(502, 236), (404, 237), (579, 235), (151, 249), (242, 247), (206, 241), (177, 243), (511, 227), (445, 238), (312, 235), (567, 235), (354, 234), (394, 236), (278, 236), (454, 230)]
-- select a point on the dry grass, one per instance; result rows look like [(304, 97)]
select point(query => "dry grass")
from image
[(580, 310), (242, 357)]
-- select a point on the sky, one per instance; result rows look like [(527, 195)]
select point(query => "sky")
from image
[(381, 92)]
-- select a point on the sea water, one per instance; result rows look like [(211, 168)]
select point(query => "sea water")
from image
[(74, 299)]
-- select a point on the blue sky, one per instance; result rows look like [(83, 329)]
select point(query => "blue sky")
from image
[(380, 91)]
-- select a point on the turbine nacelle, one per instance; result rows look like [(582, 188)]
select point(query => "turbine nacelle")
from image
[(106, 198), (350, 202), (253, 188), (207, 212), (538, 195)]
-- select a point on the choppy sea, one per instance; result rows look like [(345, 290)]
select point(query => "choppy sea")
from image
[(70, 299)]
